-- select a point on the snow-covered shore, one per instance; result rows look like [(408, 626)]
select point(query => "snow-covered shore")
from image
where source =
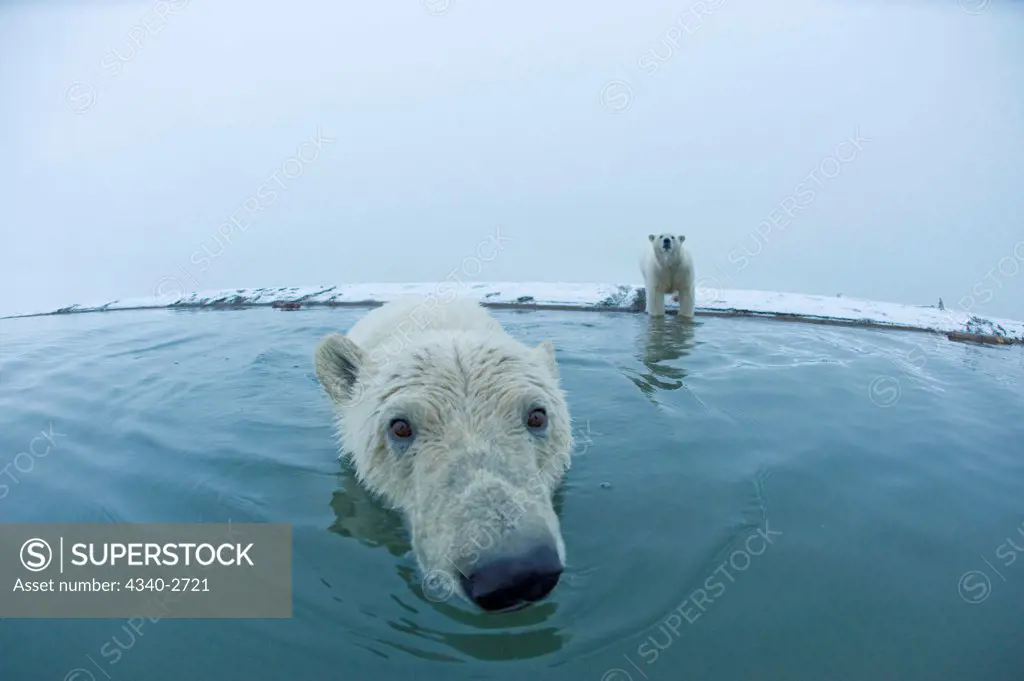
[(582, 296)]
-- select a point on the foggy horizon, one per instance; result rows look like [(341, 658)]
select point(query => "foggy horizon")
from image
[(864, 149)]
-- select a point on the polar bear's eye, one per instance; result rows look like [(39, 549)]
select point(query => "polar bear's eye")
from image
[(401, 429), (538, 418)]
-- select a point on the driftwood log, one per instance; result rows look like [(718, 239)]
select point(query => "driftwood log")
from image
[(980, 338)]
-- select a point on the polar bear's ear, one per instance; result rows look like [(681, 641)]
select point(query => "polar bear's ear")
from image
[(546, 350), (338, 362), (682, 238), (650, 237)]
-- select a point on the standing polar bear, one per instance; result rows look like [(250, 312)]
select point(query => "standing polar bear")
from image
[(667, 268), (463, 430)]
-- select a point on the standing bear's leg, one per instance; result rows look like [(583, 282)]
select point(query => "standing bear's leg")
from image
[(655, 301), (686, 293), (686, 303)]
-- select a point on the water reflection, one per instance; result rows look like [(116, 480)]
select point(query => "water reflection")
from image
[(361, 517), (507, 636), (662, 340)]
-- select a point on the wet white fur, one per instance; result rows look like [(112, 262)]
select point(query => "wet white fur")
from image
[(474, 479)]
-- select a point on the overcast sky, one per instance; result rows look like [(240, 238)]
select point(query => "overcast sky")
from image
[(871, 149)]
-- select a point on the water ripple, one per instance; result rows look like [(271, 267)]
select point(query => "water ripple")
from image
[(700, 435)]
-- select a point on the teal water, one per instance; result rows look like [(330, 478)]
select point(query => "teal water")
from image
[(749, 500)]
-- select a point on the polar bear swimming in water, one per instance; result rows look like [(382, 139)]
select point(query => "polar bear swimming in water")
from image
[(463, 430), (667, 268)]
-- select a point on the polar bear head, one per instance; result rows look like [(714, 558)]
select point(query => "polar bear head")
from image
[(467, 434), (666, 245)]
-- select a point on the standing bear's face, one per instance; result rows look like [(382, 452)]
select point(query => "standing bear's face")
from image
[(666, 244), (468, 436)]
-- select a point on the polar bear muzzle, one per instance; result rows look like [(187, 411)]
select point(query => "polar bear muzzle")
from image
[(525, 570), (490, 525)]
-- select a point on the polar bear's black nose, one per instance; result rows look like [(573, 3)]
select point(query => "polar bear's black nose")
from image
[(665, 243), (514, 580)]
